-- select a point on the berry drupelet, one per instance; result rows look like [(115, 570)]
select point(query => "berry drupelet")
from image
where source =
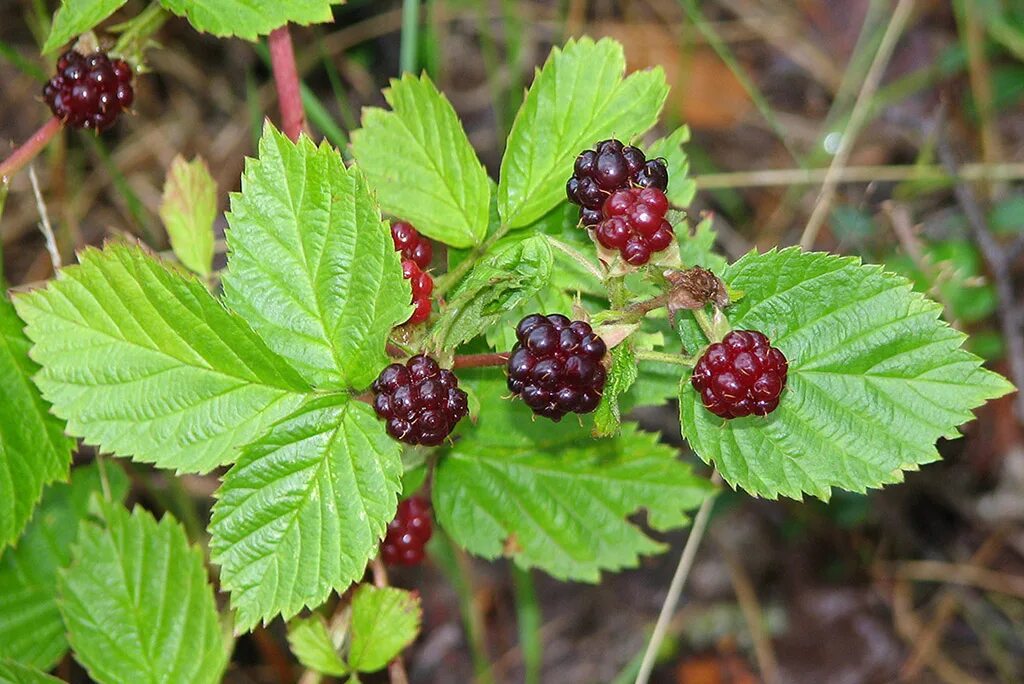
[(411, 244), (408, 533), (740, 376), (556, 366), (89, 91), (611, 166), (634, 224), (422, 288), (420, 401)]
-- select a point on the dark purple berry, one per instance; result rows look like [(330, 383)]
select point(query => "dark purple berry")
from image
[(556, 365), (740, 376), (634, 224), (420, 401), (89, 91), (408, 533), (411, 244), (609, 167)]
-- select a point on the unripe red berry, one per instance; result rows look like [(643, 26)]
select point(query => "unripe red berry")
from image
[(634, 224), (740, 376), (422, 289), (411, 244), (408, 533), (611, 166)]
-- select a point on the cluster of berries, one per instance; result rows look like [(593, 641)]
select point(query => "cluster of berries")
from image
[(89, 91), (416, 255), (408, 533), (740, 376), (420, 401)]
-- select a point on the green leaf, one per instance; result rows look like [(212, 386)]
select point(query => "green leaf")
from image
[(144, 362), (681, 188), (311, 643), (384, 621), (875, 378), (75, 17), (16, 673), (137, 603), (578, 98), (249, 19), (304, 509), (497, 284), (621, 376), (420, 163), (31, 628), (697, 248), (33, 448), (188, 210), (551, 497), (311, 266)]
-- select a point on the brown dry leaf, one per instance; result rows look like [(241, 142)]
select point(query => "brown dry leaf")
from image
[(714, 669)]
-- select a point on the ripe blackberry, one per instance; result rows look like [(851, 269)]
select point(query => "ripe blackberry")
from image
[(411, 244), (408, 533), (422, 288), (611, 166), (556, 365), (420, 401), (89, 91), (634, 224), (741, 375)]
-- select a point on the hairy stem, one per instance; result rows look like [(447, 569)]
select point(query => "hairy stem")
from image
[(663, 357), (28, 151), (286, 78), (479, 360), (452, 277)]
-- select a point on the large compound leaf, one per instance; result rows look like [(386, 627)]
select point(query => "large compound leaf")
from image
[(551, 497), (33, 448), (420, 163), (875, 378), (16, 673), (31, 628), (311, 266), (75, 17), (578, 98), (137, 603), (249, 19), (384, 621), (304, 509), (144, 362)]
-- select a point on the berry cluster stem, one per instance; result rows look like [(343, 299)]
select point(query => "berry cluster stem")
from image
[(452, 277), (28, 151), (714, 328), (286, 79), (662, 357), (479, 360)]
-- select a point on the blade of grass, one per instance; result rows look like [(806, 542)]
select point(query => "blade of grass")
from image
[(253, 108), (348, 118), (409, 55), (23, 65), (136, 209), (528, 619)]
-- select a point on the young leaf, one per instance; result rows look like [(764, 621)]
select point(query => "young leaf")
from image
[(31, 628), (384, 621), (621, 376), (75, 17), (16, 673), (188, 210), (420, 163), (249, 19), (549, 496), (681, 188), (33, 448), (311, 266), (578, 98), (875, 378), (497, 284), (311, 643), (304, 509), (144, 362), (137, 603), (697, 248)]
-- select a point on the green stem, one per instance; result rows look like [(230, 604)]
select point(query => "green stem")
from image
[(528, 617), (704, 321), (663, 357), (410, 36), (137, 32), (452, 277), (576, 256), (616, 286)]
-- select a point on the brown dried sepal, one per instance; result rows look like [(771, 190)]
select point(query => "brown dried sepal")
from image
[(695, 288)]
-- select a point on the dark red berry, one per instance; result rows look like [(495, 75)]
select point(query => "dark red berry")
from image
[(411, 244), (408, 533), (89, 91), (420, 401), (634, 224), (740, 376), (422, 288), (609, 167), (556, 365)]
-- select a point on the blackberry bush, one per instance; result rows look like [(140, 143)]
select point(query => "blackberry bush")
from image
[(420, 401), (89, 91), (408, 533), (611, 166)]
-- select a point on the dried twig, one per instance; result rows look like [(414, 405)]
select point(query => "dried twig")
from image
[(44, 221), (746, 596)]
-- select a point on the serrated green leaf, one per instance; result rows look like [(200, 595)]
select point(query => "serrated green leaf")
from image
[(33, 448), (311, 643), (250, 19), (384, 621), (875, 378), (698, 248), (137, 603), (31, 628), (421, 165), (144, 362), (681, 188), (577, 98), (16, 673), (311, 266), (304, 509), (621, 376), (188, 210), (75, 17), (515, 271), (551, 497)]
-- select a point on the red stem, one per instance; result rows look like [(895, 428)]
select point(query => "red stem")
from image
[(27, 152), (480, 360), (286, 78)]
